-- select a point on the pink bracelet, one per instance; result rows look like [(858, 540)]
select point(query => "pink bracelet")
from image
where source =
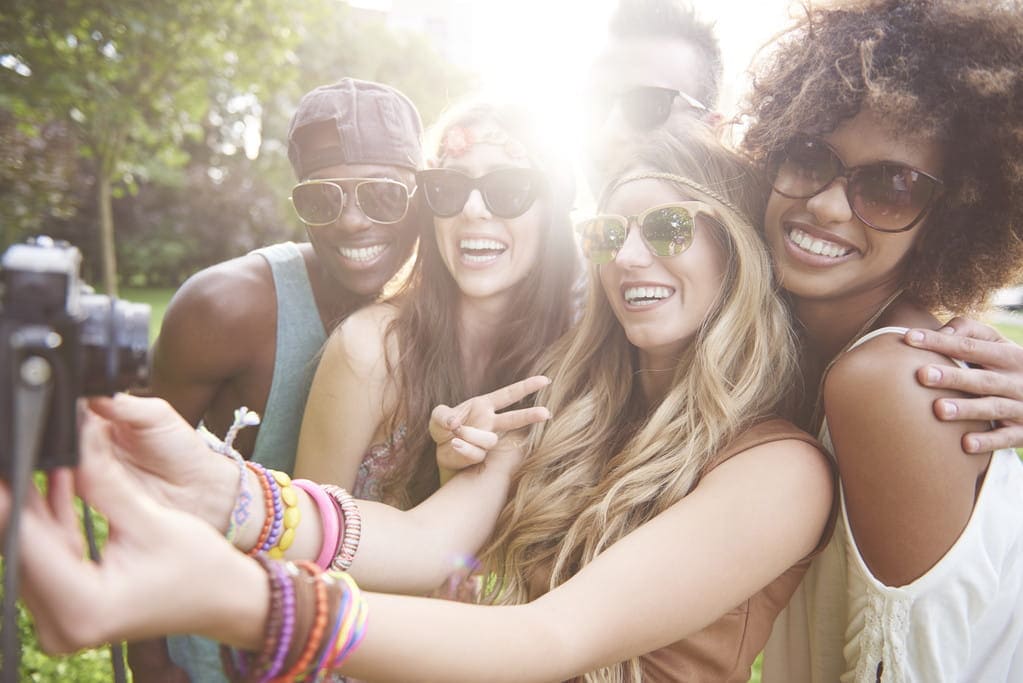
[(328, 513)]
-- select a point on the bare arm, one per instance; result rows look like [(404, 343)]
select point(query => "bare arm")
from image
[(746, 523), (909, 487), (198, 349), (349, 401), (995, 387)]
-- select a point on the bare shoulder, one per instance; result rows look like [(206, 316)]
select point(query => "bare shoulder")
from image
[(795, 459), (239, 291), (363, 341)]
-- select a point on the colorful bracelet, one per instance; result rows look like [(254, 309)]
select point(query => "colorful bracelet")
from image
[(268, 502), (292, 514), (329, 517), (243, 417), (352, 527)]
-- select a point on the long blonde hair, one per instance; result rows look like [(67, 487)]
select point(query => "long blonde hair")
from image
[(606, 463)]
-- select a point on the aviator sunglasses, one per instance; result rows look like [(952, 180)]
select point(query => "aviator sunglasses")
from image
[(666, 229), (506, 192), (644, 107), (886, 195), (322, 200)]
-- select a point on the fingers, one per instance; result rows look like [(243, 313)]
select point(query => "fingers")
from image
[(1006, 436), (513, 393), (134, 411), (444, 420), (516, 419), (457, 455), (967, 327), (991, 352), (971, 381)]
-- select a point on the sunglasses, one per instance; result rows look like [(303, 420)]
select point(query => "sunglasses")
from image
[(885, 195), (644, 107), (506, 192), (666, 229), (321, 201)]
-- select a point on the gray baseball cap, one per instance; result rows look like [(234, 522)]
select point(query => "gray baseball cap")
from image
[(354, 122)]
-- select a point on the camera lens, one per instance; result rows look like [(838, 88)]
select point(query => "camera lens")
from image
[(115, 344)]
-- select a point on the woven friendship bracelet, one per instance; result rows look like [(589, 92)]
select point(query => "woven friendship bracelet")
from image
[(243, 417)]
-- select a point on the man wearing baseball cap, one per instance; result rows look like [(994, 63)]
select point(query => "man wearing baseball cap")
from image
[(246, 332)]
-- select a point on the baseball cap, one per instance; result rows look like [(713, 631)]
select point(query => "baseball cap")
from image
[(354, 122)]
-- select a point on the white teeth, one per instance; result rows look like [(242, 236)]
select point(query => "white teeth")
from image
[(642, 295), (481, 244), (817, 246), (362, 253)]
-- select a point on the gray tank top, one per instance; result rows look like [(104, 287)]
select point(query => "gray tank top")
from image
[(300, 336)]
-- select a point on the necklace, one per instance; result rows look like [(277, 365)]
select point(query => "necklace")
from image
[(818, 406)]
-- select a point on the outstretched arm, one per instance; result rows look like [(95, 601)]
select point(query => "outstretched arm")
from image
[(410, 551), (747, 522), (995, 383)]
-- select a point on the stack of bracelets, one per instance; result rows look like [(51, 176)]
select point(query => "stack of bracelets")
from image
[(316, 617)]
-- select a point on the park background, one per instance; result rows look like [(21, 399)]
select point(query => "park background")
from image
[(153, 134)]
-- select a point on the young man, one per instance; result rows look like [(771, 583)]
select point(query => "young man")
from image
[(660, 62), (247, 332)]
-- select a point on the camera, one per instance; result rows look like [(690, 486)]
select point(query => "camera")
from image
[(59, 341)]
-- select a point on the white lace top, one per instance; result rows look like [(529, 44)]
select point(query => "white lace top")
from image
[(961, 621)]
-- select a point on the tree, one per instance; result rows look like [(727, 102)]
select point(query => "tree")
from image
[(132, 78)]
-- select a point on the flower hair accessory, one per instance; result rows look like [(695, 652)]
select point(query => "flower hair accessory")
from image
[(458, 140)]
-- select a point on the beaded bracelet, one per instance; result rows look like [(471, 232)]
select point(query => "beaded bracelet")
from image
[(268, 501), (352, 527), (292, 514), (329, 517)]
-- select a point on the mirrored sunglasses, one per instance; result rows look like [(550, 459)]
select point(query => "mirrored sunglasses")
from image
[(667, 230), (886, 195), (506, 192), (321, 201)]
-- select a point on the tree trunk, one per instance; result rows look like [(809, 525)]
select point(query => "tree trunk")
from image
[(106, 235)]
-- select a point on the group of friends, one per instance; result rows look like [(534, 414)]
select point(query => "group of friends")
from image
[(732, 425)]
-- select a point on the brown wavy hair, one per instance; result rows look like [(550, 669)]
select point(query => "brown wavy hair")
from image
[(949, 69), (427, 370), (607, 463)]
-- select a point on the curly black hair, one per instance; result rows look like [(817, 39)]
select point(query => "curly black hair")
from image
[(947, 69)]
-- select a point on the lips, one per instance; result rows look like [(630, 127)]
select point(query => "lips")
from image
[(645, 295), (362, 254), (481, 250)]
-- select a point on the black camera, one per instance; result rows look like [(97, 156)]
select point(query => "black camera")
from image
[(59, 341)]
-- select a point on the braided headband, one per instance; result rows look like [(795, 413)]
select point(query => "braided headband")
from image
[(678, 180)]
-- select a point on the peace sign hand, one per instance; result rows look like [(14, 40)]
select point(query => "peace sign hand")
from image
[(466, 433)]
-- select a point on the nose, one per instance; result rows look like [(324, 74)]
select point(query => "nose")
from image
[(475, 207), (352, 218), (831, 205), (633, 253)]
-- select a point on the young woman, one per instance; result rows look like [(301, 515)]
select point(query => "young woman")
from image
[(662, 511), (490, 291), (891, 131)]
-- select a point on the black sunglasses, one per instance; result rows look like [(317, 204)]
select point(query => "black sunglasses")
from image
[(506, 192), (886, 195), (644, 107), (666, 229), (322, 200)]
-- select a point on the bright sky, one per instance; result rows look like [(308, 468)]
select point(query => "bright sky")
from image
[(542, 47)]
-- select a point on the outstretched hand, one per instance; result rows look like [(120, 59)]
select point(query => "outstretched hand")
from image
[(165, 456), (160, 572), (466, 433), (996, 384)]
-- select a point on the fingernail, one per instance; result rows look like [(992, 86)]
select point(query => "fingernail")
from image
[(933, 375), (947, 330), (972, 445), (948, 409), (916, 337), (457, 444)]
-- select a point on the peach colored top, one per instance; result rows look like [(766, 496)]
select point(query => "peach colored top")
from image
[(725, 650)]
